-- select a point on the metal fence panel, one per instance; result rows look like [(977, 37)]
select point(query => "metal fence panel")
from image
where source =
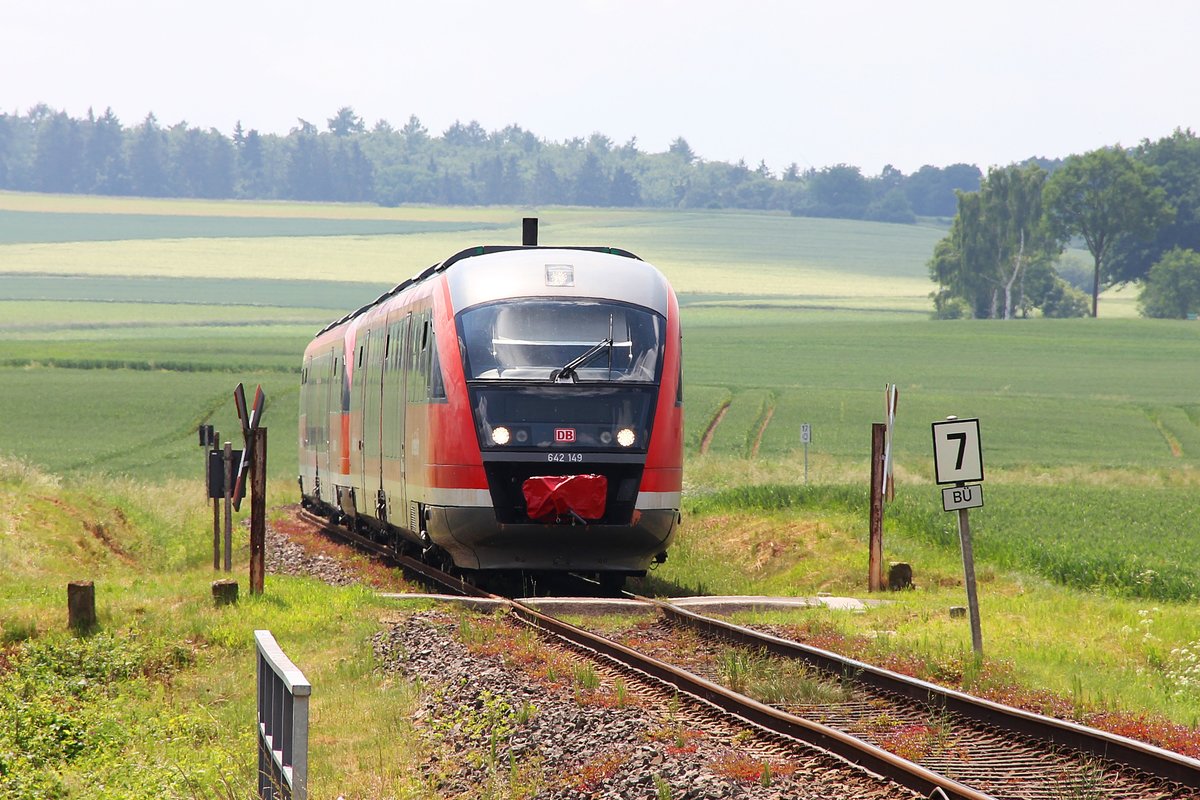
[(283, 694)]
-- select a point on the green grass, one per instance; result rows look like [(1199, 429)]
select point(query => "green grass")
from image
[(160, 700), (111, 352), (1113, 640)]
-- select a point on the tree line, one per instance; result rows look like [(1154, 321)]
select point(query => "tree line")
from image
[(1135, 210), (345, 161)]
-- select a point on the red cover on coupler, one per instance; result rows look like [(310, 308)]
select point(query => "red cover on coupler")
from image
[(553, 496)]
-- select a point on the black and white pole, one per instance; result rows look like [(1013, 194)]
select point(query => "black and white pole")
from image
[(805, 438), (958, 460)]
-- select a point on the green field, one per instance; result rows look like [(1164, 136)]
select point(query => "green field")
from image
[(125, 323), (112, 350)]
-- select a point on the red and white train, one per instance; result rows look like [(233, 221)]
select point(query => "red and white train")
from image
[(511, 408)]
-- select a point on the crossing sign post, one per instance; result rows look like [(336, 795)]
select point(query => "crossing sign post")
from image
[(805, 438), (958, 460)]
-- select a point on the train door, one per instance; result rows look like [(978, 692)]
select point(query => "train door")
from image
[(371, 478), (358, 394), (393, 416), (330, 399)]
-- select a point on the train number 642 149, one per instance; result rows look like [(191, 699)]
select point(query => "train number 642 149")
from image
[(571, 458)]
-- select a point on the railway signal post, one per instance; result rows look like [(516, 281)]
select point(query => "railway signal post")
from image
[(958, 460), (875, 547), (883, 485), (208, 440), (258, 509), (253, 465)]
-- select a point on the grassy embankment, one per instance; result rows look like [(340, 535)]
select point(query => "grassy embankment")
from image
[(1089, 431)]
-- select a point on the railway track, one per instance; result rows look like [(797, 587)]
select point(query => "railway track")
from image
[(980, 749)]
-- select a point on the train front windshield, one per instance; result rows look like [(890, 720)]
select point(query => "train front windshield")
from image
[(536, 339), (549, 374)]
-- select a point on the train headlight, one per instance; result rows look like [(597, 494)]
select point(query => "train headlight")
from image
[(625, 437), (605, 437), (500, 435)]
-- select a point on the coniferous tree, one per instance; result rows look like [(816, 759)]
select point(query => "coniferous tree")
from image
[(148, 159)]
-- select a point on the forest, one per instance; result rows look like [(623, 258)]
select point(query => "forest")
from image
[(344, 160)]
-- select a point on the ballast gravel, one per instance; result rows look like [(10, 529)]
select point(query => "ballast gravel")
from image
[(564, 750), (282, 556), (495, 730)]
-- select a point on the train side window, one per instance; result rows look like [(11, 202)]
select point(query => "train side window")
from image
[(416, 391), (437, 385), (679, 377)]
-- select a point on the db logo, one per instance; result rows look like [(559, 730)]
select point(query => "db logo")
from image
[(563, 435)]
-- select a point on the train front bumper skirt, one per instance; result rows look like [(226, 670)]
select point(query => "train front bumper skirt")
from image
[(475, 540)]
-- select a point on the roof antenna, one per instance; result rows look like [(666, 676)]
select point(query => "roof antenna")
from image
[(529, 231)]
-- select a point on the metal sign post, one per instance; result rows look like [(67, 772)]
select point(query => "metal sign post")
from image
[(805, 437), (964, 538), (957, 459)]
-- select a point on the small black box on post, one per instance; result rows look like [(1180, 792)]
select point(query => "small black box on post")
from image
[(215, 474)]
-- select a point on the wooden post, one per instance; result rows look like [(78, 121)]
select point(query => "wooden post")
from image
[(258, 508), (875, 566), (81, 606), (964, 536), (228, 506), (216, 533), (208, 450), (224, 592)]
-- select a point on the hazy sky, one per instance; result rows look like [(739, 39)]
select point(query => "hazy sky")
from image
[(817, 83)]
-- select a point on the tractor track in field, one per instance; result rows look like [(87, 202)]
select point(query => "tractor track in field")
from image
[(768, 413), (711, 430)]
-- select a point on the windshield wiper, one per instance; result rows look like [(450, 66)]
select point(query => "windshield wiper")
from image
[(567, 373)]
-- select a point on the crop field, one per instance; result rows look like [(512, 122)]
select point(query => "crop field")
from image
[(124, 323)]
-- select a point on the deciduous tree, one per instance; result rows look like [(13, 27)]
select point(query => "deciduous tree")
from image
[(1172, 289), (1101, 196), (1175, 164), (998, 233)]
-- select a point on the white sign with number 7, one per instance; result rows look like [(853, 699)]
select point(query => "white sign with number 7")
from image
[(957, 455)]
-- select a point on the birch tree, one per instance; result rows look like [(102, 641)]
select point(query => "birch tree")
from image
[(997, 234)]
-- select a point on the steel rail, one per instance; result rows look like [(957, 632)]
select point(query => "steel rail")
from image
[(1140, 756), (1137, 755), (874, 759), (451, 583), (849, 748)]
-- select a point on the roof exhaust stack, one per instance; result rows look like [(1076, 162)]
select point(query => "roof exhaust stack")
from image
[(529, 231)]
